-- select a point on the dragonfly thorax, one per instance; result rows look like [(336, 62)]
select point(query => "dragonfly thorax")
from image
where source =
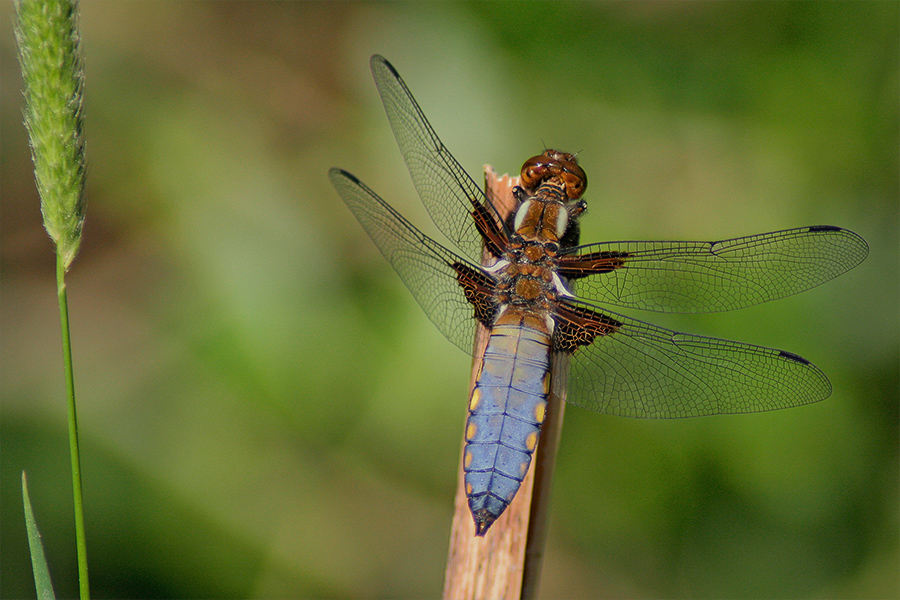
[(542, 218), (527, 276)]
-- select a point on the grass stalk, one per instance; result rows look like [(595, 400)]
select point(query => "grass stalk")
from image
[(74, 453), (50, 58)]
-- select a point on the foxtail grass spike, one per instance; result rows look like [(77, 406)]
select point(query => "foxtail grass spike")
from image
[(50, 58)]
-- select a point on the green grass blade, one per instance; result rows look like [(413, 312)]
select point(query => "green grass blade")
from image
[(42, 582)]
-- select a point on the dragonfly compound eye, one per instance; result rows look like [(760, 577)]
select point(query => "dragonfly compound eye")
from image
[(534, 171)]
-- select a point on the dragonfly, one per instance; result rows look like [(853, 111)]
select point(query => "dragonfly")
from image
[(524, 276)]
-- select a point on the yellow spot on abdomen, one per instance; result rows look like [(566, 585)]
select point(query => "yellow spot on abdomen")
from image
[(471, 430), (539, 411), (475, 400), (531, 441), (467, 459), (469, 488)]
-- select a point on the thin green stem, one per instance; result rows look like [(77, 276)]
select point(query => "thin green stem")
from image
[(80, 541)]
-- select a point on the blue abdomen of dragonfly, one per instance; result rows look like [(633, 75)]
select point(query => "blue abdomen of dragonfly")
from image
[(505, 415)]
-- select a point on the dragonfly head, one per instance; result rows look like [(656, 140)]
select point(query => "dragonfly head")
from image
[(553, 163)]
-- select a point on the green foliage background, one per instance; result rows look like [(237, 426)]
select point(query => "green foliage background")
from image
[(266, 413)]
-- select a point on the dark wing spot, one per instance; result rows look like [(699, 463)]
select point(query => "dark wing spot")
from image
[(793, 357), (579, 326), (479, 290)]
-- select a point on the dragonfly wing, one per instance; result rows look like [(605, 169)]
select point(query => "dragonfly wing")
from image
[(449, 194), (635, 369), (695, 277), (433, 274)]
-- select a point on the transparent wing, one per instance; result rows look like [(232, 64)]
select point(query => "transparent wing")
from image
[(425, 266), (697, 277), (447, 191), (641, 370)]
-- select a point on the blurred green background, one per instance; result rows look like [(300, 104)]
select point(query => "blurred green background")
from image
[(264, 410)]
